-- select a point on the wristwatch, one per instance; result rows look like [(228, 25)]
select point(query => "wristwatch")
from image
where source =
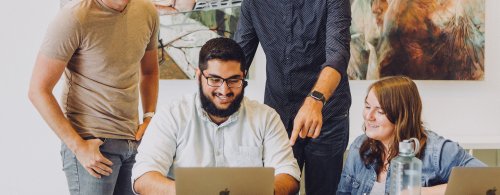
[(148, 115), (317, 96)]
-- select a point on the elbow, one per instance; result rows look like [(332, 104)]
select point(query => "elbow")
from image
[(137, 185), (36, 94), (33, 94)]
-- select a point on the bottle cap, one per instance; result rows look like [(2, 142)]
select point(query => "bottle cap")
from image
[(405, 147)]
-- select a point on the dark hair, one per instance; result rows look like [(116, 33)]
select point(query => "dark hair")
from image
[(399, 98), (222, 49)]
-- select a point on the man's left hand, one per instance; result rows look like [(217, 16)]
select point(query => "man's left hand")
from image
[(142, 129), (308, 121)]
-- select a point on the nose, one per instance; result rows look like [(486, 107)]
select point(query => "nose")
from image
[(370, 115), (224, 88)]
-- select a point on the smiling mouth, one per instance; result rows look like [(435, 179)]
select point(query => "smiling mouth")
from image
[(224, 99), (372, 125)]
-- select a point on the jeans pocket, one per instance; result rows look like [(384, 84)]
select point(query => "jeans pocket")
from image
[(67, 156)]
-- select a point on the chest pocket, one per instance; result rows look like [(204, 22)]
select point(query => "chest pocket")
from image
[(245, 156), (348, 185)]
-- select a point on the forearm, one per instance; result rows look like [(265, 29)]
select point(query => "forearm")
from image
[(285, 184), (149, 92), (327, 82), (46, 74), (154, 183), (434, 190), (149, 80), (47, 106)]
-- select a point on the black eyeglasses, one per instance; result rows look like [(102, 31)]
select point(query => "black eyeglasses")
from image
[(217, 82)]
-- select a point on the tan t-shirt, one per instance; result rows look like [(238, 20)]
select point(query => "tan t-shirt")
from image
[(103, 48)]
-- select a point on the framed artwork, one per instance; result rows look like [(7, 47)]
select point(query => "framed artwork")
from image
[(185, 26), (422, 39)]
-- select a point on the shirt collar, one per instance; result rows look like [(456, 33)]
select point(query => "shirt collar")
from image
[(204, 115)]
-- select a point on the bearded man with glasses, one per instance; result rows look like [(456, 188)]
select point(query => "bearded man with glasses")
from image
[(216, 127)]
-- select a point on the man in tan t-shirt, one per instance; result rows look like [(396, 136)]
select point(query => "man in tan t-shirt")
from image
[(106, 50)]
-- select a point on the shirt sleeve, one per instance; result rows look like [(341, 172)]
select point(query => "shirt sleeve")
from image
[(277, 150), (157, 149), (246, 35), (452, 155), (338, 35), (153, 40), (63, 36)]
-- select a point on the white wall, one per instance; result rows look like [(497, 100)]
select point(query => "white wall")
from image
[(30, 161)]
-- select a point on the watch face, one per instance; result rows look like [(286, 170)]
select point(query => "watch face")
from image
[(317, 95)]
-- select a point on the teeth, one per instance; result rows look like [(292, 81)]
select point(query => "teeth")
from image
[(222, 97), (373, 126)]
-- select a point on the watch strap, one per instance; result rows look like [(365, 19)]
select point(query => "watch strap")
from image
[(317, 96)]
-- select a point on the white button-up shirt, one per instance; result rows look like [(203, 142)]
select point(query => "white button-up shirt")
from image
[(182, 135)]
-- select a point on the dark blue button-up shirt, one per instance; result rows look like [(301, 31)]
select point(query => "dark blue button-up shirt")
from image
[(299, 38)]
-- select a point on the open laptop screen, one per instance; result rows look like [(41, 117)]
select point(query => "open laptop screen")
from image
[(474, 180), (224, 181)]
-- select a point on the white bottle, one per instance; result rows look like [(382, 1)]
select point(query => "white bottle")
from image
[(406, 170)]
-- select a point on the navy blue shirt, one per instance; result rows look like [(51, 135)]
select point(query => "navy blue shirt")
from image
[(299, 38)]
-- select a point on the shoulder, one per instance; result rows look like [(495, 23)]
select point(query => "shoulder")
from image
[(434, 143), (145, 5), (74, 10), (356, 144), (439, 149), (255, 107), (353, 155), (80, 10), (180, 106)]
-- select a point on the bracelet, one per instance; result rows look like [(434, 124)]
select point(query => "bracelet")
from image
[(148, 115)]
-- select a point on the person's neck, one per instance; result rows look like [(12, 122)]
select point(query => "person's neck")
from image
[(387, 144), (218, 120), (118, 6)]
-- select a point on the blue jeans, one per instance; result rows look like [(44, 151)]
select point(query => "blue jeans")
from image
[(120, 152), (323, 156)]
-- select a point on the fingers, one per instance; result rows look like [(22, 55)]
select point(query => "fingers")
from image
[(297, 126), (142, 129), (318, 130), (105, 161), (308, 124), (95, 142), (311, 129), (294, 135), (97, 169), (93, 173), (140, 132), (91, 158), (102, 169)]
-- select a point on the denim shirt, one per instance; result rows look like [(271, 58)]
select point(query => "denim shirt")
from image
[(440, 156)]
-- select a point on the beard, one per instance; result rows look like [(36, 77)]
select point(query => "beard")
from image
[(210, 107)]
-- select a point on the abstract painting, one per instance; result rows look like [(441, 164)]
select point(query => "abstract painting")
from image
[(422, 39), (186, 26)]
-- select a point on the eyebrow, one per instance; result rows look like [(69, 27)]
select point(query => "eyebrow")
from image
[(375, 106), (231, 77)]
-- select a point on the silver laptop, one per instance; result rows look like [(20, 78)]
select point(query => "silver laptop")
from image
[(224, 181), (474, 180)]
